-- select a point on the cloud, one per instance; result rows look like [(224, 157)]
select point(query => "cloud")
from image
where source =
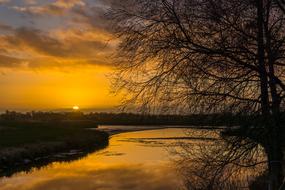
[(79, 12), (34, 48), (93, 16), (11, 62), (58, 7), (4, 1), (5, 27), (77, 35), (76, 46), (31, 2)]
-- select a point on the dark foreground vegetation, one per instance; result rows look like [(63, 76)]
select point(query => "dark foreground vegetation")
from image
[(24, 145)]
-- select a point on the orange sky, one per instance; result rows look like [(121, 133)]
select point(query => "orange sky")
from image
[(48, 90), (55, 54)]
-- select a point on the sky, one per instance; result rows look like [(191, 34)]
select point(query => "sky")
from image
[(55, 54)]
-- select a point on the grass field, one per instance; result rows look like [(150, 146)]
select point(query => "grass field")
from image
[(19, 134), (20, 142)]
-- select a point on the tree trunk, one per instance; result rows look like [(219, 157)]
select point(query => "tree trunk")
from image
[(261, 60), (273, 146), (275, 153), (275, 157)]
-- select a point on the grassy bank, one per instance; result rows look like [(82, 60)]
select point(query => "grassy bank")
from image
[(23, 144)]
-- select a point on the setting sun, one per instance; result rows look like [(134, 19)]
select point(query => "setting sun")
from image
[(75, 108)]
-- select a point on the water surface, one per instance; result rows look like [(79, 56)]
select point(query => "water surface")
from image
[(134, 160)]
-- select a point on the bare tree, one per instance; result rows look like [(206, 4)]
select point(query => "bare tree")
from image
[(281, 4), (207, 56), (228, 163)]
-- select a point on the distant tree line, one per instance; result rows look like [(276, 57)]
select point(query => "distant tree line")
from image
[(222, 119)]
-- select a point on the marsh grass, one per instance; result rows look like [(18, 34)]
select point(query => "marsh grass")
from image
[(23, 143)]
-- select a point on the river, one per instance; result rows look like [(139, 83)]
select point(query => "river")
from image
[(135, 160)]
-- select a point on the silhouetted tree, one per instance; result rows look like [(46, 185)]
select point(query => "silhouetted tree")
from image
[(281, 4), (210, 56), (227, 163)]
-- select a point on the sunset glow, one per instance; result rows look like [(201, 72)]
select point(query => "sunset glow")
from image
[(53, 55), (75, 108)]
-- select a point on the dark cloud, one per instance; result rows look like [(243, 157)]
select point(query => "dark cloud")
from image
[(5, 27), (11, 62), (40, 49), (83, 38), (96, 15), (38, 41), (4, 1), (59, 7), (93, 16)]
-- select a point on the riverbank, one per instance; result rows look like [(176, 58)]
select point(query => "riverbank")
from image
[(125, 164), (117, 129), (25, 146)]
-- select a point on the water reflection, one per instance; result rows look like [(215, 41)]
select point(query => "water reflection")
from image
[(116, 177), (227, 163), (127, 163), (160, 159)]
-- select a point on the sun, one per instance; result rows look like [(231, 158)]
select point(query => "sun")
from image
[(75, 108)]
